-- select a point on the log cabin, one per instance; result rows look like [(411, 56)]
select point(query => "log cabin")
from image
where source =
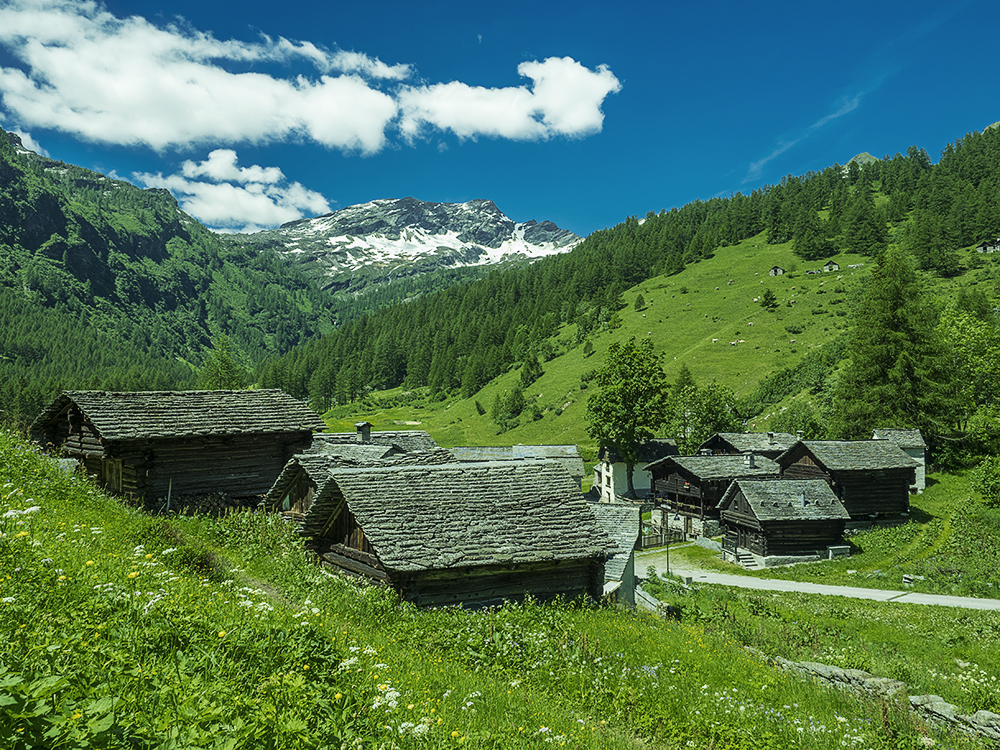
[(872, 478), (152, 444), (913, 445), (471, 534), (780, 520), (687, 489), (767, 444)]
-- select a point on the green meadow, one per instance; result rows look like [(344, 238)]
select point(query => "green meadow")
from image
[(130, 631)]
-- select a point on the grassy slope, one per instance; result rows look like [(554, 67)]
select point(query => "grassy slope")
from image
[(681, 324), (130, 631)]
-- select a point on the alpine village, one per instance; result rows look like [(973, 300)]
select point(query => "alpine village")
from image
[(725, 476)]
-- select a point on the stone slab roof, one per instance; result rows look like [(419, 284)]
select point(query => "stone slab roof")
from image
[(742, 442), (407, 440), (464, 514), (853, 455), (622, 523), (568, 456), (787, 499), (160, 414), (902, 438), (650, 451), (720, 467)]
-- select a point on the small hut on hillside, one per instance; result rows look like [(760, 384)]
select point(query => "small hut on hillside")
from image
[(777, 521), (151, 443), (871, 478), (464, 533)]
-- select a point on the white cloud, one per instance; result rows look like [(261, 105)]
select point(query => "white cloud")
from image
[(565, 100), (261, 198), (127, 81), (84, 71)]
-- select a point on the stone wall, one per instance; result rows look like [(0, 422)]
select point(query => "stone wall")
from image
[(932, 708)]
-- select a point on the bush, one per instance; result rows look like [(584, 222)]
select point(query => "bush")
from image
[(986, 480)]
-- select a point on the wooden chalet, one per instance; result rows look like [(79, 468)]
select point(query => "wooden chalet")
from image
[(871, 478), (988, 246), (775, 271), (912, 444), (623, 523), (464, 533), (305, 475), (779, 520), (610, 478), (767, 444), (157, 443), (830, 266), (689, 488), (567, 456)]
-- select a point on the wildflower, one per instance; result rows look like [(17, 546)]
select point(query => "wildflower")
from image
[(222, 634), (338, 696), (89, 562), (134, 574)]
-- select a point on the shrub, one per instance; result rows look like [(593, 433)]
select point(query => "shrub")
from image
[(986, 480)]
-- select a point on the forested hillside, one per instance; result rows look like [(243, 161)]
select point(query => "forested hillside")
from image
[(458, 340), (99, 278)]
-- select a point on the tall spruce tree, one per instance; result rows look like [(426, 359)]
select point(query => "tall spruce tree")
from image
[(897, 374)]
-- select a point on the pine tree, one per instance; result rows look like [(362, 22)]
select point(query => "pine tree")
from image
[(896, 375)]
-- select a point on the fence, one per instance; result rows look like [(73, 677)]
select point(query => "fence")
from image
[(661, 537)]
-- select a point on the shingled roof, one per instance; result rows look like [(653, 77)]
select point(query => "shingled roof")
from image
[(758, 442), (157, 414), (902, 438), (787, 499), (463, 515), (621, 522), (853, 455), (720, 467), (407, 440)]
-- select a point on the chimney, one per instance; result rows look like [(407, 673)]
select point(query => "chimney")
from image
[(799, 434), (750, 460), (803, 498), (364, 431), (770, 438)]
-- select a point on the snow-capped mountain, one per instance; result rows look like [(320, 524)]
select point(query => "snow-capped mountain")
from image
[(386, 239)]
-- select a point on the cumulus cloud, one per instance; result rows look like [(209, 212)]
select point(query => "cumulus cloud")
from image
[(564, 100), (230, 198), (127, 81), (84, 71)]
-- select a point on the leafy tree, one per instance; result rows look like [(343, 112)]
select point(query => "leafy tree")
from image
[(986, 481), (695, 413), (223, 369), (630, 403), (896, 375), (768, 300)]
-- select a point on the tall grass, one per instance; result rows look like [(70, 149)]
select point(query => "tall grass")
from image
[(129, 631)]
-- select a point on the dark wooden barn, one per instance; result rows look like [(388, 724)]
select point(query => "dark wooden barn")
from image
[(691, 487), (780, 518), (463, 533), (766, 444), (151, 443), (872, 478)]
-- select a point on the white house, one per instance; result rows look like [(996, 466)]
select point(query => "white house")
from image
[(610, 478)]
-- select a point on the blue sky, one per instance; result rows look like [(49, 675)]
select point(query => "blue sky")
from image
[(582, 113)]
